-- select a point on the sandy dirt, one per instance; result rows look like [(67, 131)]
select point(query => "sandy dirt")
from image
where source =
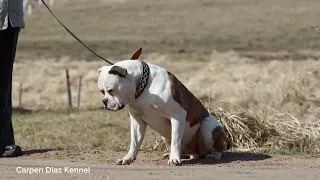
[(152, 166)]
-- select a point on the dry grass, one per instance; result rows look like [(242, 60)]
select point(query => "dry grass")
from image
[(291, 121), (282, 131)]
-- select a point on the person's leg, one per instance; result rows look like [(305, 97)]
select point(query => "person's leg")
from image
[(8, 43), (3, 113)]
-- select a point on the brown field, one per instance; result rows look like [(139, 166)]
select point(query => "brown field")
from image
[(258, 61)]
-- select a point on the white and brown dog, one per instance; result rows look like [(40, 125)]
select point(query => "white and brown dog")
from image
[(156, 98)]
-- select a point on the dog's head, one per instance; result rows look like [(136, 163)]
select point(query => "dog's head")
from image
[(117, 86)]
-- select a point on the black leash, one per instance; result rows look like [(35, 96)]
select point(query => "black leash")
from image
[(75, 35)]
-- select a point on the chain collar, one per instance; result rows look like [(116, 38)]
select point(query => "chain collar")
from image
[(143, 80)]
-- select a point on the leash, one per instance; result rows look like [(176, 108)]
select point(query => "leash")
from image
[(72, 34)]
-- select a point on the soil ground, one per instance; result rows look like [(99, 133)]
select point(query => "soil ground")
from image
[(152, 166)]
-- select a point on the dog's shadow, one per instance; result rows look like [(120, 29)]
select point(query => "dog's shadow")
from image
[(229, 157)]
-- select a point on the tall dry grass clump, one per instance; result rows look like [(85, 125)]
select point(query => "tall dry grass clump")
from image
[(270, 125)]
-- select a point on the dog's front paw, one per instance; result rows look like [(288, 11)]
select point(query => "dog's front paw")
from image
[(174, 160), (124, 161)]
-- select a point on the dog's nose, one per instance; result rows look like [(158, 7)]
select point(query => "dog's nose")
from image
[(105, 101)]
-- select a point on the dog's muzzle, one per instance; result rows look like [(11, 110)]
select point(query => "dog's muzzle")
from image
[(112, 106)]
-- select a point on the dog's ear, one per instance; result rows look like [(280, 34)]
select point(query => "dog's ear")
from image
[(136, 54), (99, 70), (117, 70)]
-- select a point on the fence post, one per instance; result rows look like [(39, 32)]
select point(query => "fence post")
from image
[(68, 88), (20, 95), (79, 91)]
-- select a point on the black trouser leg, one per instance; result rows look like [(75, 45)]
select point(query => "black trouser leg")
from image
[(8, 43)]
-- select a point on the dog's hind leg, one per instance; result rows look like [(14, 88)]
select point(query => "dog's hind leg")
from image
[(219, 139), (208, 138)]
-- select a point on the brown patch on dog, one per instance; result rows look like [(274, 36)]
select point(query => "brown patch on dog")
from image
[(196, 112), (117, 70)]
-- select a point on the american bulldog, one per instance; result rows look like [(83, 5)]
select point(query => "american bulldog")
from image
[(156, 98)]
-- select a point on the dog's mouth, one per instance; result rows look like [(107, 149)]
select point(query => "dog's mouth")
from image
[(114, 107)]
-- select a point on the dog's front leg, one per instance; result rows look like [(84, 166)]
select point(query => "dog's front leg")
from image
[(138, 129), (177, 130)]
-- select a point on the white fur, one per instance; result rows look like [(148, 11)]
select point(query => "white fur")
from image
[(155, 107)]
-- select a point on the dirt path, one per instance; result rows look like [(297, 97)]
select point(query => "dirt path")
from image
[(150, 166)]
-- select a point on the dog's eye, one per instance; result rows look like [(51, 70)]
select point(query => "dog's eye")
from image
[(110, 91), (102, 91)]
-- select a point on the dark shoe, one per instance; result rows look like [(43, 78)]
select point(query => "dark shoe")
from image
[(12, 151)]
